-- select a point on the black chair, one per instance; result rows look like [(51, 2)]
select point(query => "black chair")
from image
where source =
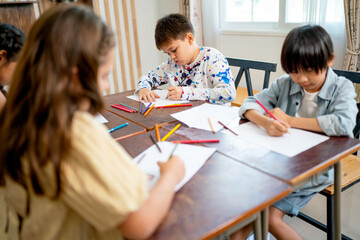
[(246, 65), (350, 175)]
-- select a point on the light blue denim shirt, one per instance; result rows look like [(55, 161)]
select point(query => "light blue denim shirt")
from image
[(337, 108), (336, 111)]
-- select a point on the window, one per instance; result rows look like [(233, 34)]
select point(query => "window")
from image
[(278, 15)]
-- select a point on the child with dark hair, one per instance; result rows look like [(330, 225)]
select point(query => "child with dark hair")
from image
[(311, 97), (11, 42), (191, 72)]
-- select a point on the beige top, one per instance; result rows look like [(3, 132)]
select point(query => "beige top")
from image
[(101, 186)]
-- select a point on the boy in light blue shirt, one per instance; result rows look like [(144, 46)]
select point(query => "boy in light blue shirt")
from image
[(311, 97)]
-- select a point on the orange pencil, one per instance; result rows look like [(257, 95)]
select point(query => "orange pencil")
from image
[(147, 112), (157, 132), (211, 126)]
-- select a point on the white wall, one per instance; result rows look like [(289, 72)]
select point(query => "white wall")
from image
[(147, 14)]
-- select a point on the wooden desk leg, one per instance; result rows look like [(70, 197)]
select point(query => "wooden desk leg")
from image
[(264, 223), (337, 200), (257, 227)]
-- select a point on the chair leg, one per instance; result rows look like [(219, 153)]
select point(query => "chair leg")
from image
[(330, 217)]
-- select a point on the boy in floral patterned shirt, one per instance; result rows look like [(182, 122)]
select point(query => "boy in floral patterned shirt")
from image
[(191, 72)]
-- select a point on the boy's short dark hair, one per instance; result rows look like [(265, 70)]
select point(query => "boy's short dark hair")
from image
[(306, 48), (172, 27), (11, 40)]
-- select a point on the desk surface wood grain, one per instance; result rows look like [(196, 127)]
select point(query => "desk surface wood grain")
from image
[(223, 193)]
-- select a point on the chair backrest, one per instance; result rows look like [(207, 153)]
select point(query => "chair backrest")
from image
[(246, 65), (355, 78)]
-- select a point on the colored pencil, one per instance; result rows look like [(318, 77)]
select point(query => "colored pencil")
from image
[(157, 132), (118, 127), (122, 108), (211, 126), (171, 132), (127, 106), (140, 107), (266, 110), (149, 110), (157, 145), (176, 105), (141, 158), (198, 141), (226, 127), (173, 151)]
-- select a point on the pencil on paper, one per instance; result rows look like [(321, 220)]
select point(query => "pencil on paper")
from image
[(173, 151), (157, 132), (211, 126), (141, 158), (266, 110), (197, 141), (149, 110), (271, 115), (227, 128), (171, 132), (154, 141)]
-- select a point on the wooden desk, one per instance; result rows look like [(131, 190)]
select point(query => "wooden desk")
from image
[(295, 170), (241, 95), (159, 116), (115, 120), (221, 195)]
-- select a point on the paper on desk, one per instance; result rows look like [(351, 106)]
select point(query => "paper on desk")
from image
[(289, 144), (162, 101), (100, 118), (194, 158), (198, 117)]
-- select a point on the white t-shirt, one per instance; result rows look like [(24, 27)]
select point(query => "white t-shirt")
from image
[(308, 106)]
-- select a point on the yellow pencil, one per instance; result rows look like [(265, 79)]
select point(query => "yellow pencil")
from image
[(171, 132), (147, 112)]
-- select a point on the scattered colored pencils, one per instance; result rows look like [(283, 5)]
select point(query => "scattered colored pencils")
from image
[(123, 108), (149, 110), (124, 105), (171, 132)]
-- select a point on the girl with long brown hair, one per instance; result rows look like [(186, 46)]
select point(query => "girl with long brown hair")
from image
[(63, 174)]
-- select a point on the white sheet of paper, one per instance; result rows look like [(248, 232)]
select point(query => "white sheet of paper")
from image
[(100, 119), (198, 117), (289, 144), (162, 101), (194, 158)]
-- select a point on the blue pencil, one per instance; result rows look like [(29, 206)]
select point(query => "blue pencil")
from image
[(118, 127), (147, 108), (140, 107)]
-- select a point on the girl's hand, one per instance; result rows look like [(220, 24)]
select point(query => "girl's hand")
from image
[(147, 95), (174, 93), (174, 167), (280, 115), (276, 128)]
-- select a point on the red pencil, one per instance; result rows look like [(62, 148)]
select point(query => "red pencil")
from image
[(197, 141), (176, 105), (122, 108), (267, 111)]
